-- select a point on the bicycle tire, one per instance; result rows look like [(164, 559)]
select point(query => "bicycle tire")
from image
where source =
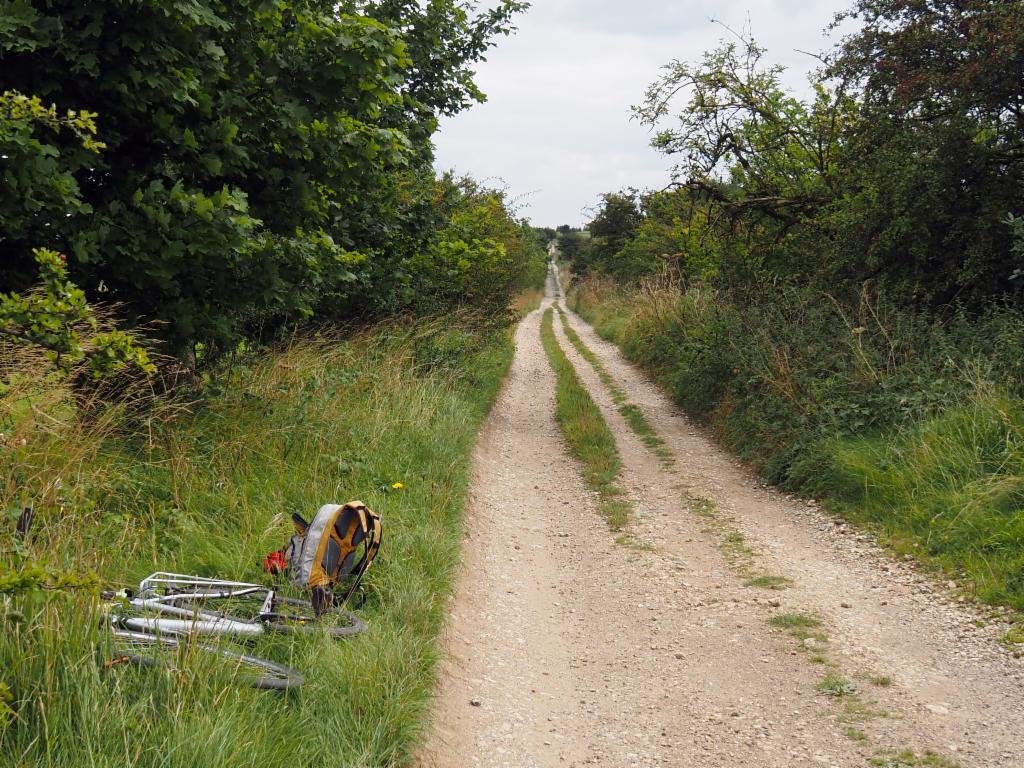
[(287, 624), (146, 650), (301, 620)]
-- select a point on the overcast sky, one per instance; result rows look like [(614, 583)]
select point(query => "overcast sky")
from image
[(556, 128)]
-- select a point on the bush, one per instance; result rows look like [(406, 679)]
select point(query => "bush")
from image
[(56, 318), (480, 258), (262, 160)]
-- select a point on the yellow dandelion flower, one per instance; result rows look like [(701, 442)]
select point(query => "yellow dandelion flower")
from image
[(397, 486)]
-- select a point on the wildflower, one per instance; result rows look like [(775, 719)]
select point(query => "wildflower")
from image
[(397, 486)]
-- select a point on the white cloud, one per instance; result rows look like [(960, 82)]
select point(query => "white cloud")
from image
[(556, 127)]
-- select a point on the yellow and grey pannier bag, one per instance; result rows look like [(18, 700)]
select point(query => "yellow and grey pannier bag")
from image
[(336, 548)]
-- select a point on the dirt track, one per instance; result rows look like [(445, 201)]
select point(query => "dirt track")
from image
[(565, 648)]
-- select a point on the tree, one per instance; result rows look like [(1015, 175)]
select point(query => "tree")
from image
[(615, 223), (443, 39), (41, 149), (236, 135), (741, 140), (482, 256), (761, 161), (571, 249), (937, 160), (265, 158), (675, 235), (547, 235)]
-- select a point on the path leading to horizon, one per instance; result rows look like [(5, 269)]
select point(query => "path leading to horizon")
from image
[(566, 647)]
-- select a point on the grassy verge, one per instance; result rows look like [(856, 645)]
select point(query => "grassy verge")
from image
[(585, 430), (207, 487), (911, 428), (630, 412)]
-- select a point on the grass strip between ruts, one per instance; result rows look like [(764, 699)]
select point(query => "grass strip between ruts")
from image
[(630, 412), (585, 430)]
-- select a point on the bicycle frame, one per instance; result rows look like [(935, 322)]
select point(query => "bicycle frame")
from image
[(177, 583), (189, 620)]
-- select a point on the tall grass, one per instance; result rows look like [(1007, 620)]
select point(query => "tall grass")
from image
[(207, 487), (902, 422), (586, 431), (949, 488)]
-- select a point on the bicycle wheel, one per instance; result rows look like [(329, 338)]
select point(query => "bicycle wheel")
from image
[(286, 615), (146, 650), (291, 615)]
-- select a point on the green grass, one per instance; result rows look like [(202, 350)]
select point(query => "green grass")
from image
[(705, 508), (948, 490), (1014, 637), (802, 626), (856, 710), (735, 547), (630, 412), (768, 582), (527, 302), (205, 484), (585, 430), (837, 686), (795, 621), (908, 759), (737, 551)]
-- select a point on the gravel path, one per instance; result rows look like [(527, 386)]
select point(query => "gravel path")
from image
[(565, 648)]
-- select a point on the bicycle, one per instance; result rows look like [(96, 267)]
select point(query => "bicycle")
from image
[(154, 624)]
